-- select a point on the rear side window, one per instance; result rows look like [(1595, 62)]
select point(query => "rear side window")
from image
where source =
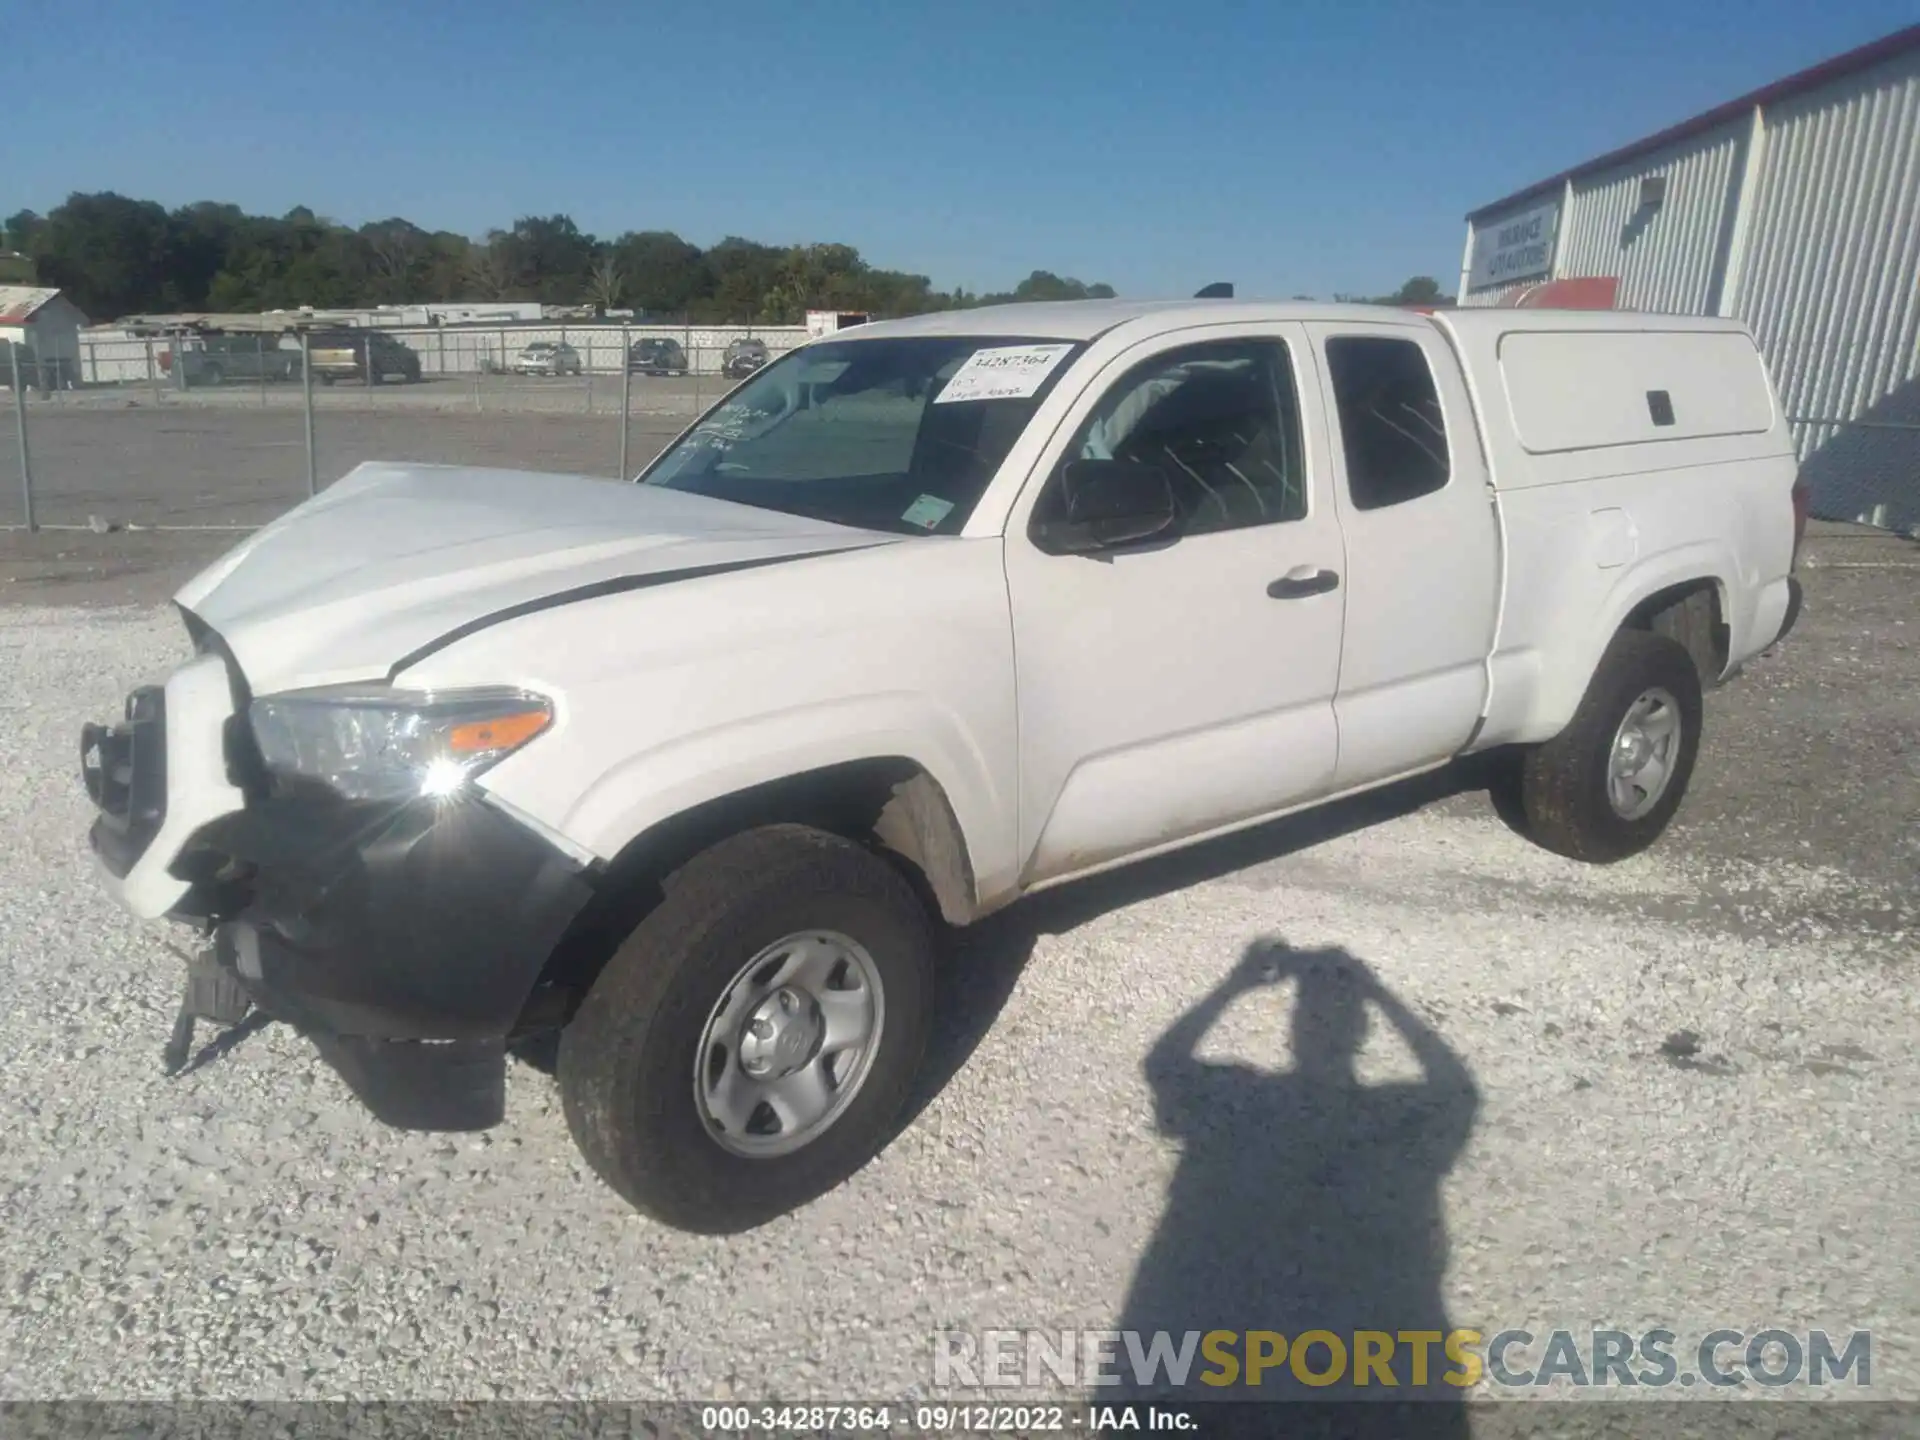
[(1391, 427)]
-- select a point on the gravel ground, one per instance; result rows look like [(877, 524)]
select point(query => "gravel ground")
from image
[(1693, 1081)]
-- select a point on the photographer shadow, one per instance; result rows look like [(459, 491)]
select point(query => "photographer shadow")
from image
[(1308, 1201)]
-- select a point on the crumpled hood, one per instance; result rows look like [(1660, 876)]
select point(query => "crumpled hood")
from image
[(393, 557)]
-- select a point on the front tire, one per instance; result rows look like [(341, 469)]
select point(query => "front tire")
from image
[(1606, 787), (711, 1076)]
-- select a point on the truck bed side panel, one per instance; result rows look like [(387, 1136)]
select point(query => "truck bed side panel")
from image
[(1631, 455)]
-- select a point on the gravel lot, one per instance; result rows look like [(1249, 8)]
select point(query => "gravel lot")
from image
[(244, 1230)]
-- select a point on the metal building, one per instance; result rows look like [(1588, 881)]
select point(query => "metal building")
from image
[(1795, 208), (45, 325)]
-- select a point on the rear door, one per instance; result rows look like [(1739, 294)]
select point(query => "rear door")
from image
[(1423, 547)]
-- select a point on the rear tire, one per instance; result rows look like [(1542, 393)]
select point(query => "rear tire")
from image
[(635, 1055), (1606, 787)]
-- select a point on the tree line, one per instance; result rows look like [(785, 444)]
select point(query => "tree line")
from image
[(116, 256)]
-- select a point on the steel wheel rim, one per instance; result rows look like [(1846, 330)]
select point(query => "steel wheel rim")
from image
[(1645, 750), (789, 1044)]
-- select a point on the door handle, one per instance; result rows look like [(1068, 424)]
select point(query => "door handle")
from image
[(1303, 581)]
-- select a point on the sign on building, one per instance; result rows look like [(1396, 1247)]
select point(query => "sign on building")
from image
[(1519, 247)]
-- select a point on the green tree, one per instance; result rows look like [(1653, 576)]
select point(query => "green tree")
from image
[(200, 237), (1420, 290), (664, 274), (397, 252), (743, 275), (489, 267), (606, 284), (109, 253), (21, 230), (445, 267), (115, 255), (1043, 285), (548, 258)]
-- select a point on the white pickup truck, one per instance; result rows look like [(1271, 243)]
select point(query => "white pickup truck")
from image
[(923, 618)]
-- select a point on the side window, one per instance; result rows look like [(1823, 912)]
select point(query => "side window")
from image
[(1391, 425), (1219, 420)]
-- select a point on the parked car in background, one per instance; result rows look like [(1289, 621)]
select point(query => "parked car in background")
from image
[(548, 357), (743, 357), (361, 355), (209, 360), (655, 356)]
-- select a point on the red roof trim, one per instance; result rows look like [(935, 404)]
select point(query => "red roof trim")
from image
[(1867, 55)]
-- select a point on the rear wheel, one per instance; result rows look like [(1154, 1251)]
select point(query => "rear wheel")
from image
[(1606, 786), (752, 1043)]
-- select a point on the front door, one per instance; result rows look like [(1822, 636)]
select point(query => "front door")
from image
[(1186, 683)]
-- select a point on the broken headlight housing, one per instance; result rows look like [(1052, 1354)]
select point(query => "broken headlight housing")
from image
[(371, 742)]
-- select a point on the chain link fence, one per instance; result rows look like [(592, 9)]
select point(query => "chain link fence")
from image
[(213, 430), (216, 430), (1865, 470)]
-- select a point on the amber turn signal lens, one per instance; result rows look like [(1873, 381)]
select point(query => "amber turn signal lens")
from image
[(501, 732)]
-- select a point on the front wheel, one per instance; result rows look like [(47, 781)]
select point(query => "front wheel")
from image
[(752, 1043), (1606, 786)]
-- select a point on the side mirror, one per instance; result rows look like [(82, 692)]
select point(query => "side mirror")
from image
[(1108, 503)]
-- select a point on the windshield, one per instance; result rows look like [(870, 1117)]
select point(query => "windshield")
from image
[(890, 434)]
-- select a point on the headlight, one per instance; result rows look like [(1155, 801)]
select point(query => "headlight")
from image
[(367, 742)]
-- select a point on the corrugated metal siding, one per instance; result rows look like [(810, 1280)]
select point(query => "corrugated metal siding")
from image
[(1832, 283), (1665, 259)]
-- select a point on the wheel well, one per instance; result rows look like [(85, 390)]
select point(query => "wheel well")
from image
[(891, 805), (1690, 614)]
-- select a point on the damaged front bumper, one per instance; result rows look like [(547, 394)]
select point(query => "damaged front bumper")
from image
[(404, 939)]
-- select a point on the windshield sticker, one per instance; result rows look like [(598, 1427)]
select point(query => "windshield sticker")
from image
[(928, 511), (1010, 372), (731, 424)]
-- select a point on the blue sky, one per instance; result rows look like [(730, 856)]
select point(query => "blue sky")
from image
[(1289, 147)]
